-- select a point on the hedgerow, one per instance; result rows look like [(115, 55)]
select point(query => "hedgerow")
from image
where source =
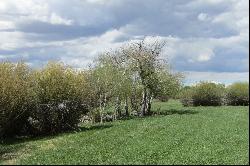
[(203, 94), (238, 94)]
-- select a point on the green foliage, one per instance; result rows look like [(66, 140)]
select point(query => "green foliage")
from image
[(238, 94), (151, 73), (203, 94), (168, 86), (56, 83), (186, 96), (60, 95), (41, 102), (16, 97), (95, 115), (208, 94)]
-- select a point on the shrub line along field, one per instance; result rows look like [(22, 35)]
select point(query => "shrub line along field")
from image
[(178, 135)]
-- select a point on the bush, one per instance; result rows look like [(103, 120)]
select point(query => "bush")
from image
[(202, 94), (208, 94), (238, 94), (95, 115), (54, 118), (60, 93), (16, 97), (186, 97), (46, 101)]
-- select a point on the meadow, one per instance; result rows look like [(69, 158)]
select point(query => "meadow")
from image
[(173, 135)]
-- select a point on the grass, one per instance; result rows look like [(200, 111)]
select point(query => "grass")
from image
[(178, 135)]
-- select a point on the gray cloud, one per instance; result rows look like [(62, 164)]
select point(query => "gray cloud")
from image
[(202, 35)]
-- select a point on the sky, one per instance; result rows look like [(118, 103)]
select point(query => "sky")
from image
[(206, 39)]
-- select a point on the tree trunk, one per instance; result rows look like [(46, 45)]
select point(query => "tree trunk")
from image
[(100, 105), (144, 103), (118, 107), (133, 101), (132, 98), (126, 106), (149, 103)]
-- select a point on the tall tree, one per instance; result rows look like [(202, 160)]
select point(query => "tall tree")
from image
[(144, 59)]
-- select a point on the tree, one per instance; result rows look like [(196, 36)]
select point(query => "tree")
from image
[(133, 73), (112, 82), (143, 58)]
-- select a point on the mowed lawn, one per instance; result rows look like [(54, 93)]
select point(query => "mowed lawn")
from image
[(178, 135)]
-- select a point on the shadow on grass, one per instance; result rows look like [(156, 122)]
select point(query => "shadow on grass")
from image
[(174, 111), (21, 139), (94, 127), (8, 152), (10, 146)]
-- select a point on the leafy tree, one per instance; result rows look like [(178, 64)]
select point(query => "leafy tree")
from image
[(143, 59)]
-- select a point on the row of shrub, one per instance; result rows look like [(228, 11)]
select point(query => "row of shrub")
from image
[(54, 98), (211, 94), (40, 102), (57, 97)]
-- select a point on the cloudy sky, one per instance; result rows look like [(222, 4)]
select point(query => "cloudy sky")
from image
[(206, 39)]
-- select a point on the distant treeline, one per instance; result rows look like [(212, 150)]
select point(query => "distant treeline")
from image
[(211, 94)]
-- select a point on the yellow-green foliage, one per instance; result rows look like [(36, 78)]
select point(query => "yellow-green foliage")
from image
[(168, 86), (16, 97), (238, 94), (203, 94), (208, 94), (61, 93), (43, 101), (186, 96), (56, 83)]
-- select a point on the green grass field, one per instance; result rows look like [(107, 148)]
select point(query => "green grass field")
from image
[(178, 135)]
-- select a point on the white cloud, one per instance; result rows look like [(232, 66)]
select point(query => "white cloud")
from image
[(236, 18), (205, 56), (193, 49), (11, 40), (202, 17), (56, 19), (2, 6), (99, 2), (6, 25), (219, 77), (32, 10)]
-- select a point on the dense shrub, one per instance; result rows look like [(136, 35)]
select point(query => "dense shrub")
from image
[(238, 94), (16, 97), (186, 96), (41, 102), (53, 118), (95, 115), (202, 94), (208, 94), (60, 93)]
